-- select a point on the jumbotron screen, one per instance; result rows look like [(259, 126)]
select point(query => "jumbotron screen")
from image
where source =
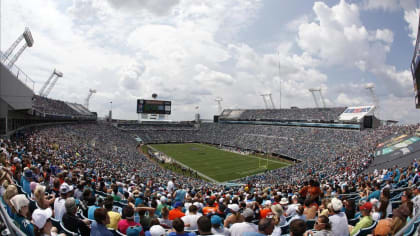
[(153, 106)]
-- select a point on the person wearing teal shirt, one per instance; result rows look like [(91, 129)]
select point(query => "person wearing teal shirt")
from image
[(21, 205)]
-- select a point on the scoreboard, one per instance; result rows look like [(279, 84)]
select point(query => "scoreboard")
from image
[(153, 106)]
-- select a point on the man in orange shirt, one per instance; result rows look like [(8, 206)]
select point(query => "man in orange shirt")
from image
[(177, 211), (210, 208), (265, 210)]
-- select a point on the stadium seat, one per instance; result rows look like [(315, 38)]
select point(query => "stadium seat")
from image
[(310, 224), (68, 232), (285, 229), (56, 223), (366, 231), (354, 221)]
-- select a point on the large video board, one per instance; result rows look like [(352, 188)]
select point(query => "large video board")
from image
[(153, 106)]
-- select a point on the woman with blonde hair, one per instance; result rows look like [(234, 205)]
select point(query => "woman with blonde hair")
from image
[(40, 198), (10, 192)]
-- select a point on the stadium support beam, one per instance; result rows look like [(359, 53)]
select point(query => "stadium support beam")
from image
[(29, 41), (53, 77), (91, 92), (322, 98), (265, 101), (312, 90), (268, 101), (219, 104)]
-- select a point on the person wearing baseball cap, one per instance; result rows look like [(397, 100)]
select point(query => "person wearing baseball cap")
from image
[(217, 226), (41, 221), (235, 217), (177, 211), (365, 221), (156, 230), (66, 191)]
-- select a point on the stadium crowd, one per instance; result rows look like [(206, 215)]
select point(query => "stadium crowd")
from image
[(91, 179), (294, 114), (53, 107)]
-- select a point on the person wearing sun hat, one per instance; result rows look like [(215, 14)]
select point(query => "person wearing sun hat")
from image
[(365, 221), (41, 221), (21, 205)]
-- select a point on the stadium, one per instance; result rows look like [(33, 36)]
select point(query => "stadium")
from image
[(323, 170)]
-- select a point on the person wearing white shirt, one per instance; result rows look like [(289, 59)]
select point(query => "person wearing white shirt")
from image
[(339, 219), (171, 185), (190, 220), (238, 229), (66, 191)]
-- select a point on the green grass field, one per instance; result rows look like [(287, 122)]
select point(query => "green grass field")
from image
[(217, 164)]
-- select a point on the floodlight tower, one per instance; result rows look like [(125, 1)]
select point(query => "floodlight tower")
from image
[(375, 100), (267, 97), (52, 77), (313, 91), (322, 98), (91, 92), (29, 42), (265, 101), (219, 104)]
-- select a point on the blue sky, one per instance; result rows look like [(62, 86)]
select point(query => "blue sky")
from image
[(194, 51)]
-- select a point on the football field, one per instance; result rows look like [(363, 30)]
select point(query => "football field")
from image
[(217, 164)]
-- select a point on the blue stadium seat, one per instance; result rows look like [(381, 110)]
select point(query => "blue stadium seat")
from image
[(310, 224), (366, 231), (354, 221), (68, 232), (284, 229)]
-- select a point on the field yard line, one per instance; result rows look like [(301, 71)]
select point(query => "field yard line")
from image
[(241, 154), (182, 164)]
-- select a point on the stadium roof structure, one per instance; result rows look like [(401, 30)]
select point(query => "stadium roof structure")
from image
[(356, 113)]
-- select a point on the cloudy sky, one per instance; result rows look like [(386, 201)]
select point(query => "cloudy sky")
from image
[(192, 51)]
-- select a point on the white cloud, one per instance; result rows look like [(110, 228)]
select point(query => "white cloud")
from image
[(385, 35), (387, 5), (159, 7), (338, 37), (412, 19)]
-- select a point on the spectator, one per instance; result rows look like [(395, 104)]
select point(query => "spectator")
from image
[(71, 221), (59, 208), (217, 226), (190, 220), (177, 211), (99, 225), (21, 205), (322, 227), (204, 225), (156, 230), (114, 217), (299, 215), (165, 221), (235, 217), (297, 227), (42, 200), (178, 226), (337, 218), (41, 222), (279, 219), (238, 229), (128, 215), (265, 227)]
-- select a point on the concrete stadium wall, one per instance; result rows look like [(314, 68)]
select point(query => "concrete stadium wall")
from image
[(13, 91)]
